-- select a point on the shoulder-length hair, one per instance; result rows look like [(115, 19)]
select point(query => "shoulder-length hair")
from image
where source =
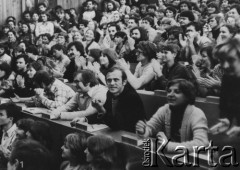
[(102, 147), (7, 68), (186, 87), (77, 143)]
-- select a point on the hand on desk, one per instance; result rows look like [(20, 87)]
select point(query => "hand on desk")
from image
[(161, 137), (222, 126), (55, 114), (78, 119), (141, 129), (234, 131)]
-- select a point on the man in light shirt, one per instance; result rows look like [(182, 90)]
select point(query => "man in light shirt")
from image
[(80, 105)]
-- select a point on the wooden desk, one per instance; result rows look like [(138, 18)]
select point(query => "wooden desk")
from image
[(59, 129), (152, 101)]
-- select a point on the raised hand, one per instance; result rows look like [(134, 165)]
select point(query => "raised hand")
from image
[(39, 91), (98, 104), (96, 66), (182, 40), (123, 64), (157, 67), (20, 81)]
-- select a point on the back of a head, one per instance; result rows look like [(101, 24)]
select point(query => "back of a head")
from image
[(30, 155), (188, 14), (43, 77), (40, 131), (12, 110), (102, 147)]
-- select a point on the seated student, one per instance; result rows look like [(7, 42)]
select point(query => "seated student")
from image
[(56, 92), (32, 69), (40, 131), (76, 54), (60, 25), (179, 120), (29, 154), (119, 111), (12, 42), (23, 126), (60, 61), (90, 13), (62, 39), (148, 23), (25, 34), (103, 153), (229, 95), (144, 74), (3, 56), (90, 42), (88, 89), (171, 69), (6, 80), (45, 26), (73, 152), (20, 86), (8, 117), (124, 44), (124, 9), (32, 53)]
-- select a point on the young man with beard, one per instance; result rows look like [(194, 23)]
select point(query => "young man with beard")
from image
[(3, 56), (76, 56), (108, 41), (123, 107), (20, 84)]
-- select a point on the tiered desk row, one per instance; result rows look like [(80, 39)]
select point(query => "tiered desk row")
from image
[(127, 141)]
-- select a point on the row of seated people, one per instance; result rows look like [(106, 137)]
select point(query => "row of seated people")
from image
[(26, 144), (108, 94), (174, 57), (124, 113)]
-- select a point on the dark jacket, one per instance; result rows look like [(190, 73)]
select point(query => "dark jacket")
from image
[(175, 72), (230, 98), (129, 108)]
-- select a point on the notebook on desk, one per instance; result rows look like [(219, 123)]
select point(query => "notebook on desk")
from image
[(90, 127), (37, 110)]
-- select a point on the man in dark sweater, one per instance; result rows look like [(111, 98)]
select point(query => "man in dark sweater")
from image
[(229, 55), (123, 107)]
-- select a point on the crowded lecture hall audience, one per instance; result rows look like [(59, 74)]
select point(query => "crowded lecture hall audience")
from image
[(91, 64)]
